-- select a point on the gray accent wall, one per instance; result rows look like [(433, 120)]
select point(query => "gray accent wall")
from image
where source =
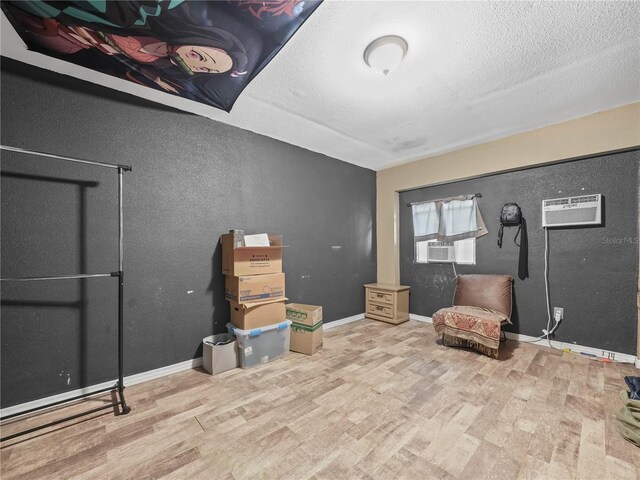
[(193, 179), (593, 271)]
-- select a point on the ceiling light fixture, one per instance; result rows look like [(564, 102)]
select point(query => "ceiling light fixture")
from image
[(385, 53)]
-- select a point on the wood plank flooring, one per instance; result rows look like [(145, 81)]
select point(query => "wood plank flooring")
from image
[(378, 402)]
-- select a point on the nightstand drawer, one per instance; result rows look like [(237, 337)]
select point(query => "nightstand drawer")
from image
[(381, 297), (381, 310)]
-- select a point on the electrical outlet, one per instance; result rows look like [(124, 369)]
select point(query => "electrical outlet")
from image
[(558, 313)]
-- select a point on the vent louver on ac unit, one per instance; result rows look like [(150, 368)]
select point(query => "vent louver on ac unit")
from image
[(441, 252), (572, 211)]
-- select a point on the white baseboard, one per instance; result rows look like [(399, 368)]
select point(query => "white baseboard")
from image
[(163, 371), (420, 318), (128, 381), (355, 318), (589, 351), (343, 321)]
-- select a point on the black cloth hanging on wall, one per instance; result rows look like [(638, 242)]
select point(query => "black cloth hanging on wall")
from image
[(523, 259)]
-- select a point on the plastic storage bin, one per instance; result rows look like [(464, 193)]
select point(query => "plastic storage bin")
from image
[(261, 345), (219, 358)]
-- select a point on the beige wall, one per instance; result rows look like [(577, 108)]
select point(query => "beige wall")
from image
[(601, 132)]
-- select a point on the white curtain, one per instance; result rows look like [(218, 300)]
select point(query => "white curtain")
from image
[(447, 219), (426, 220), (458, 217)]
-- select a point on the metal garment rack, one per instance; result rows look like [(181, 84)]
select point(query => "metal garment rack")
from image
[(119, 386)]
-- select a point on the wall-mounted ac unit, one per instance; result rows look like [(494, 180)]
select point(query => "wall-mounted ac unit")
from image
[(572, 211), (441, 252)]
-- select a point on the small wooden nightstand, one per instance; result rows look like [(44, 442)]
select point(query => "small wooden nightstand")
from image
[(387, 303)]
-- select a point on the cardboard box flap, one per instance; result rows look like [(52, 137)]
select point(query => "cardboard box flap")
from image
[(305, 314), (238, 261), (250, 305), (274, 240)]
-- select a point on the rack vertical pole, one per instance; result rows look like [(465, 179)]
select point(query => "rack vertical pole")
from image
[(125, 407)]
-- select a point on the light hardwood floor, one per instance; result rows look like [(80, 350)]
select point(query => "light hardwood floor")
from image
[(378, 402)]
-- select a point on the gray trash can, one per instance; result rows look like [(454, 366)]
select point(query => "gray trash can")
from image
[(219, 353)]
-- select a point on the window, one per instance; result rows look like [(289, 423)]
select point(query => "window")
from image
[(445, 231)]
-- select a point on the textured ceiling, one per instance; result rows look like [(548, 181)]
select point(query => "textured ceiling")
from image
[(474, 72)]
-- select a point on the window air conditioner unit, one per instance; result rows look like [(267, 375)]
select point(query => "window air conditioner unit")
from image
[(572, 211), (441, 252)]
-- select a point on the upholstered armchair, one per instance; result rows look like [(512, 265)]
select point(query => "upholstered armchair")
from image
[(481, 305)]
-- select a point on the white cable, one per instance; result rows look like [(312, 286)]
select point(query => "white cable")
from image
[(533, 340), (546, 289), (546, 286), (546, 292), (453, 264)]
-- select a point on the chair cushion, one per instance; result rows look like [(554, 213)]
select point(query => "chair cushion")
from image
[(487, 291), (480, 326)]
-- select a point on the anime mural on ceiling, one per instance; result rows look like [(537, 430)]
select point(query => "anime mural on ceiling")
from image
[(206, 51)]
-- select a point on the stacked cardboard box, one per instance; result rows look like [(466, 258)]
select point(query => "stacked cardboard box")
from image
[(254, 282), (306, 327)]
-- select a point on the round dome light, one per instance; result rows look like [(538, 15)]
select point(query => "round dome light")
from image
[(385, 53)]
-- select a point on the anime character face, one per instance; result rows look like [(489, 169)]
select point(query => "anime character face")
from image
[(202, 59)]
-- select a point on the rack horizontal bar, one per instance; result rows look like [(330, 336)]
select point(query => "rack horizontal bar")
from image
[(57, 422), (61, 157), (60, 402), (60, 277)]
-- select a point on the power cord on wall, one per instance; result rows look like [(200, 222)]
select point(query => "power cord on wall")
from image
[(546, 332)]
